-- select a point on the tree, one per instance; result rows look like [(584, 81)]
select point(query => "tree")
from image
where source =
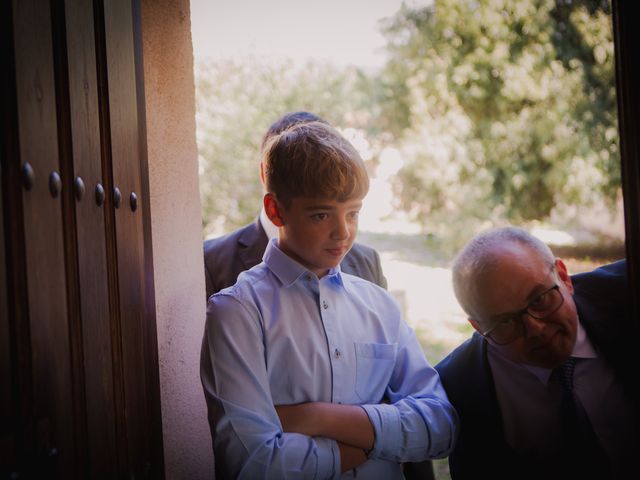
[(236, 103), (510, 107)]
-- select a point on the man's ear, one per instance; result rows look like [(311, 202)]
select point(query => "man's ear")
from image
[(272, 209), (563, 274), (475, 325)]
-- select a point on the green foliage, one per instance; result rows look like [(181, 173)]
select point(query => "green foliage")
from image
[(236, 103), (502, 110), (510, 108)]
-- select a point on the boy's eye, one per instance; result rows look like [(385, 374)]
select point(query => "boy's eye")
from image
[(354, 214), (319, 216)]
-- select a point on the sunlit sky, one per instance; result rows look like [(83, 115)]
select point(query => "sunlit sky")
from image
[(344, 32)]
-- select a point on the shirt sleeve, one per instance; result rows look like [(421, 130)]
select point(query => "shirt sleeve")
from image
[(248, 440), (419, 422)]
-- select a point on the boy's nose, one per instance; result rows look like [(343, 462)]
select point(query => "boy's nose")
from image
[(341, 230)]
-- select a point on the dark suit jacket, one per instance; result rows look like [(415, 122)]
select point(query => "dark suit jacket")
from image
[(228, 256), (482, 451)]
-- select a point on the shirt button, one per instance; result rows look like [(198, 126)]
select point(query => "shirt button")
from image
[(308, 278), (337, 353), (325, 305)]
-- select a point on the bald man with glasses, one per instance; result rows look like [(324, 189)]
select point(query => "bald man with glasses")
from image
[(546, 386)]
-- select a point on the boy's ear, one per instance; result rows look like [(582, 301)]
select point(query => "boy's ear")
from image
[(272, 209)]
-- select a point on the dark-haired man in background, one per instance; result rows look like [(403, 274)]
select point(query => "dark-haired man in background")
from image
[(227, 256)]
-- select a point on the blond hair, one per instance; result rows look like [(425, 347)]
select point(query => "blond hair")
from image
[(312, 159)]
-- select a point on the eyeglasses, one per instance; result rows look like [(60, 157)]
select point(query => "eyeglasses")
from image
[(512, 327)]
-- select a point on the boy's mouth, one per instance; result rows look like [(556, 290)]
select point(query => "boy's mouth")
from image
[(337, 252)]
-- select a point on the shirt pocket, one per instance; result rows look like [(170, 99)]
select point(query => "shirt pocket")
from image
[(374, 366)]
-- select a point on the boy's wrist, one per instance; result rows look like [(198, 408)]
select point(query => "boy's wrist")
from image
[(349, 424), (367, 451)]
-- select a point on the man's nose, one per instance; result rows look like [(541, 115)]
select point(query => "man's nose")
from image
[(533, 326)]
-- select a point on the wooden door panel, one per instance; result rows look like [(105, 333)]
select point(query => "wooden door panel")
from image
[(7, 414), (43, 236), (15, 376), (78, 346), (90, 239), (126, 173)]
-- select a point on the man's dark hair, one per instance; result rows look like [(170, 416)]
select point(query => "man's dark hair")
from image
[(288, 120)]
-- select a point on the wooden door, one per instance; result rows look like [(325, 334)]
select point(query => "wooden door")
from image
[(79, 358)]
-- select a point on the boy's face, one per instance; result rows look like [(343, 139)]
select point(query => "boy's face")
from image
[(315, 232)]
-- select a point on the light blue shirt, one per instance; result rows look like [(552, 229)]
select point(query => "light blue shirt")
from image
[(282, 336)]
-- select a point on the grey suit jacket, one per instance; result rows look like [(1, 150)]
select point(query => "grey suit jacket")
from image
[(227, 256)]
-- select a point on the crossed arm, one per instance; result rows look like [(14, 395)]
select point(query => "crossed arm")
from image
[(349, 425), (316, 438)]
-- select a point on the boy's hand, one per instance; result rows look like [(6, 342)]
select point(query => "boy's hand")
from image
[(348, 424)]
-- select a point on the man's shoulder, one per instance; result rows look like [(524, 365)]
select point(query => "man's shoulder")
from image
[(466, 376), (226, 256), (362, 249), (361, 252), (606, 284), (224, 243), (364, 262), (464, 356), (615, 272), (602, 299)]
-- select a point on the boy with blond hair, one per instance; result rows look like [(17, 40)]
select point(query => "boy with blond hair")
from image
[(309, 372)]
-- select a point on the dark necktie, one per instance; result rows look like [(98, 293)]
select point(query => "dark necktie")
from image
[(583, 446)]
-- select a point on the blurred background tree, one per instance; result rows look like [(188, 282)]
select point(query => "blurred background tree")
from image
[(509, 109), (501, 111), (236, 103)]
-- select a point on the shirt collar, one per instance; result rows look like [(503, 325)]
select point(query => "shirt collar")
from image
[(336, 276), (288, 271), (583, 347)]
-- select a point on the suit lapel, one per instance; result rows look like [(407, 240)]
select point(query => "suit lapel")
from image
[(606, 332), (485, 401), (252, 244), (349, 266)]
